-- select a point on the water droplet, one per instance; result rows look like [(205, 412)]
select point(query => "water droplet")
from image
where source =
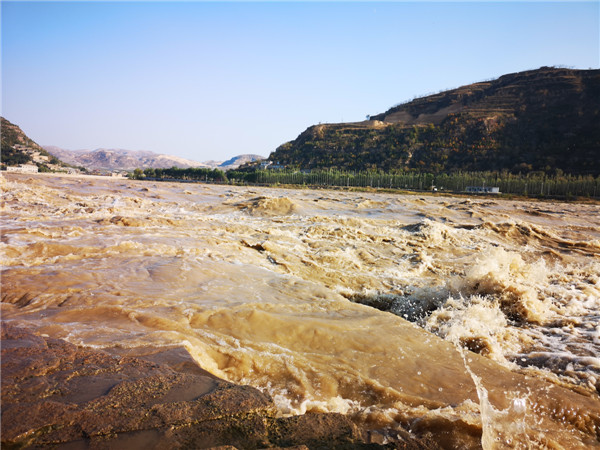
[(519, 405)]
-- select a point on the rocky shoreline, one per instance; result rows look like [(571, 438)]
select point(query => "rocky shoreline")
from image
[(56, 394)]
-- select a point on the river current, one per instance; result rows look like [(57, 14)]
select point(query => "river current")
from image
[(475, 318)]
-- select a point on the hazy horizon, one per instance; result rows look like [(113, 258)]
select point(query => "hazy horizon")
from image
[(209, 81), (131, 150)]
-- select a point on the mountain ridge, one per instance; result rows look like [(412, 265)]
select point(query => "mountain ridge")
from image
[(538, 120), (119, 159), (18, 148), (122, 159)]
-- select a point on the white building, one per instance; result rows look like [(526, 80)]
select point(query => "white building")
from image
[(23, 168), (271, 166), (483, 189)]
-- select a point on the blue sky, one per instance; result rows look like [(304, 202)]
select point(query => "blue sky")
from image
[(210, 80)]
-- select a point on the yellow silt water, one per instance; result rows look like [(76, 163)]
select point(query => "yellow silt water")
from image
[(400, 311)]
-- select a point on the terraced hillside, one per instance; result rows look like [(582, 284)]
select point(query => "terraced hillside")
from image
[(18, 148), (540, 120)]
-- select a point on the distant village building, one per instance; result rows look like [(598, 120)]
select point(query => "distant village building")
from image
[(23, 168), (483, 190), (271, 166)]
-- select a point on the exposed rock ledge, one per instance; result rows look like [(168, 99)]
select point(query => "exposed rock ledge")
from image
[(55, 394)]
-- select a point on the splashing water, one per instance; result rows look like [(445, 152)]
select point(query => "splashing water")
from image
[(500, 428)]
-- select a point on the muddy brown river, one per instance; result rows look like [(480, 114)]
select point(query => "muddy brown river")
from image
[(397, 310)]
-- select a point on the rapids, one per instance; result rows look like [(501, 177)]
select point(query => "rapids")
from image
[(475, 319)]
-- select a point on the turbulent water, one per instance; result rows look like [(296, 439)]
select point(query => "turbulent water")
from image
[(476, 318)]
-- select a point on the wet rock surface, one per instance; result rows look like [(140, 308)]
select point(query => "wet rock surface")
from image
[(56, 394)]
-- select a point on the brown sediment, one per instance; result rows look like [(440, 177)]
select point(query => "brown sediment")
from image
[(57, 394)]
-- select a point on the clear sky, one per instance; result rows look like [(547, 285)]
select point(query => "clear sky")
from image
[(211, 80)]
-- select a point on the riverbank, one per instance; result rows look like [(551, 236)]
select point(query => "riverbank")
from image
[(357, 189)]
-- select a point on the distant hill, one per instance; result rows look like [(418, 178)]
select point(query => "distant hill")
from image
[(120, 159), (18, 148), (239, 160), (539, 120)]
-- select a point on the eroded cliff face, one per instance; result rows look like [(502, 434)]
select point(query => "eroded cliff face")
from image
[(543, 119)]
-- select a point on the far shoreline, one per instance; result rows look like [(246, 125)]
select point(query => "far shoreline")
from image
[(372, 190)]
